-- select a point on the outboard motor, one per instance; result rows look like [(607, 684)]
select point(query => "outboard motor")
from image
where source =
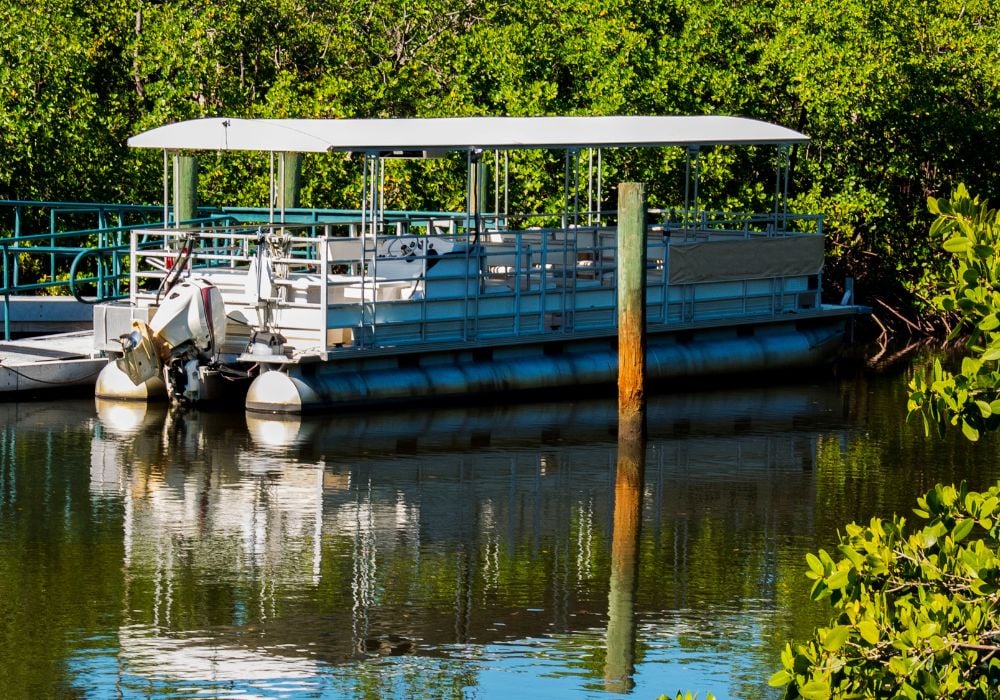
[(183, 336)]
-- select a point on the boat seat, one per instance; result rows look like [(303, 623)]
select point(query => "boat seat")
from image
[(342, 250)]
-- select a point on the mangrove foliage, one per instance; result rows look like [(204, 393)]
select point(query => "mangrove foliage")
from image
[(899, 97)]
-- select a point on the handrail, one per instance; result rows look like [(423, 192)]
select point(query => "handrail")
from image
[(107, 281), (77, 294), (518, 283)]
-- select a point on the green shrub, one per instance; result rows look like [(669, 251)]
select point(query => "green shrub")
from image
[(916, 612), (966, 227)]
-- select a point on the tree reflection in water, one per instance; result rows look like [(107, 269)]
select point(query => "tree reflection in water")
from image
[(440, 553)]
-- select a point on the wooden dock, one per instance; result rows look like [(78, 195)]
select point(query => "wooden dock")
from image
[(49, 362)]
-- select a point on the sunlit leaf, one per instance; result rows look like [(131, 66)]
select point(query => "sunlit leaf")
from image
[(970, 431), (868, 631), (779, 679), (836, 637), (962, 529), (815, 690), (958, 244), (838, 579)]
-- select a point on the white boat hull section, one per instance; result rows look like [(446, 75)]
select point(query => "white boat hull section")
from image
[(280, 389)]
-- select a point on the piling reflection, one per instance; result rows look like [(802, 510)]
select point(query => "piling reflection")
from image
[(629, 479)]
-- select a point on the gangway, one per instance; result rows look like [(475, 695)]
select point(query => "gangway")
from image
[(49, 362)]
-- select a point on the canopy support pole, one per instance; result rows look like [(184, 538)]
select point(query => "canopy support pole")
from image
[(496, 190), (270, 192), (185, 188), (166, 188), (781, 187), (565, 211), (576, 186), (692, 178), (506, 189), (600, 177), (590, 187)]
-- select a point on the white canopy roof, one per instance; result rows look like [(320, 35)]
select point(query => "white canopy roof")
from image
[(459, 133)]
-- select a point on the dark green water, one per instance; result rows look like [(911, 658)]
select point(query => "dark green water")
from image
[(460, 553)]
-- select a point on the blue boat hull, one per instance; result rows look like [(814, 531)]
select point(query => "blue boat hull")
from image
[(547, 367)]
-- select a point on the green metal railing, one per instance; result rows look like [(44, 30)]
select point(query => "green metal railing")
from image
[(55, 247), (73, 261)]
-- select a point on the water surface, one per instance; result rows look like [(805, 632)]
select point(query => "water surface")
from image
[(445, 553)]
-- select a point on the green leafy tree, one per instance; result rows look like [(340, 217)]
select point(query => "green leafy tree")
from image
[(916, 611), (901, 99), (967, 228), (59, 123)]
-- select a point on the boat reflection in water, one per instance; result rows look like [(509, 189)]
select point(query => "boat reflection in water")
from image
[(462, 548)]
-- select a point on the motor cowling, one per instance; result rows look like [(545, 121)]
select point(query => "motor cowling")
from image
[(193, 312), (184, 334)]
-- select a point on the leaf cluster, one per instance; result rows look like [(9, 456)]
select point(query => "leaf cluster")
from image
[(916, 611), (966, 227)]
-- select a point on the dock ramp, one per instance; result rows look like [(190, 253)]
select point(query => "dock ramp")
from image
[(49, 362)]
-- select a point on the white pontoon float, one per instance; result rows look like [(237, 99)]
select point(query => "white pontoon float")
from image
[(384, 309)]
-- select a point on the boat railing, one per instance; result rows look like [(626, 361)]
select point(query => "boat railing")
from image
[(436, 280), (719, 225)]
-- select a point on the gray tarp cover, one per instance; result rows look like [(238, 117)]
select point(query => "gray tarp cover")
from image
[(720, 261)]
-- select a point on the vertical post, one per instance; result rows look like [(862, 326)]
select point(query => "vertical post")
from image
[(133, 268), (496, 190), (565, 212), (185, 188), (475, 186), (600, 184), (787, 167), (324, 288), (692, 178), (631, 433), (6, 293), (166, 189), (631, 308), (291, 182), (270, 191), (576, 187), (506, 189), (481, 192)]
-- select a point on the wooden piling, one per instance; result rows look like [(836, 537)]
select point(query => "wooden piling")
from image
[(630, 467), (185, 188), (631, 309), (290, 188)]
